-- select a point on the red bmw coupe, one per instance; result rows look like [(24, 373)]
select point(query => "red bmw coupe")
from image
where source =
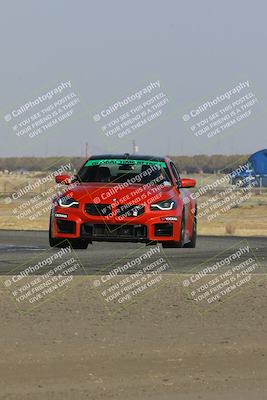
[(124, 198)]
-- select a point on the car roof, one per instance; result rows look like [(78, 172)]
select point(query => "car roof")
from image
[(127, 156)]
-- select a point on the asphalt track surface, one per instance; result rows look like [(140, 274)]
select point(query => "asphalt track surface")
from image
[(20, 248)]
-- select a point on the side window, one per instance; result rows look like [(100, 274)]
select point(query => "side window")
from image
[(175, 172)]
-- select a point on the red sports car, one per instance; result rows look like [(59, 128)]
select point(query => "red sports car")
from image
[(124, 198)]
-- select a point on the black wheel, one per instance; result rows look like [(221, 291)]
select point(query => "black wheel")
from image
[(179, 243), (239, 182), (192, 243), (60, 243), (78, 243)]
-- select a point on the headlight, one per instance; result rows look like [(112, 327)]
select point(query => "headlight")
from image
[(164, 205), (68, 202)]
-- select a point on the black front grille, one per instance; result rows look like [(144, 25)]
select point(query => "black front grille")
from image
[(114, 231), (102, 210), (163, 230), (66, 226), (134, 210)]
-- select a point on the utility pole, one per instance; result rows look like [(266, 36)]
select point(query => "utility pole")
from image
[(86, 150), (135, 147)]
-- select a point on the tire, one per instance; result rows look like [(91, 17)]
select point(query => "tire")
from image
[(78, 243), (240, 182), (179, 243), (192, 243), (63, 243)]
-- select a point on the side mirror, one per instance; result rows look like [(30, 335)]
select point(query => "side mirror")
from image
[(65, 179), (186, 183)]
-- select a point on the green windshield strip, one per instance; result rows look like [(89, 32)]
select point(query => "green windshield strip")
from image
[(123, 161)]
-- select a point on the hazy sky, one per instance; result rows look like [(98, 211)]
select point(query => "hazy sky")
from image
[(111, 49)]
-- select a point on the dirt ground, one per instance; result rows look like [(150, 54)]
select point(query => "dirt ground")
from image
[(162, 347)]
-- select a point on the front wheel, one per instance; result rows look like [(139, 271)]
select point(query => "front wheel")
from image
[(78, 243), (193, 240)]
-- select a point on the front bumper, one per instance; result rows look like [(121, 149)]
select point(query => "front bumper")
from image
[(151, 226)]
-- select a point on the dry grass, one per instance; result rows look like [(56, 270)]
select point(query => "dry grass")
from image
[(230, 229)]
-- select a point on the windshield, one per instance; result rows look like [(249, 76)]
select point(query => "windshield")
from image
[(124, 170)]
